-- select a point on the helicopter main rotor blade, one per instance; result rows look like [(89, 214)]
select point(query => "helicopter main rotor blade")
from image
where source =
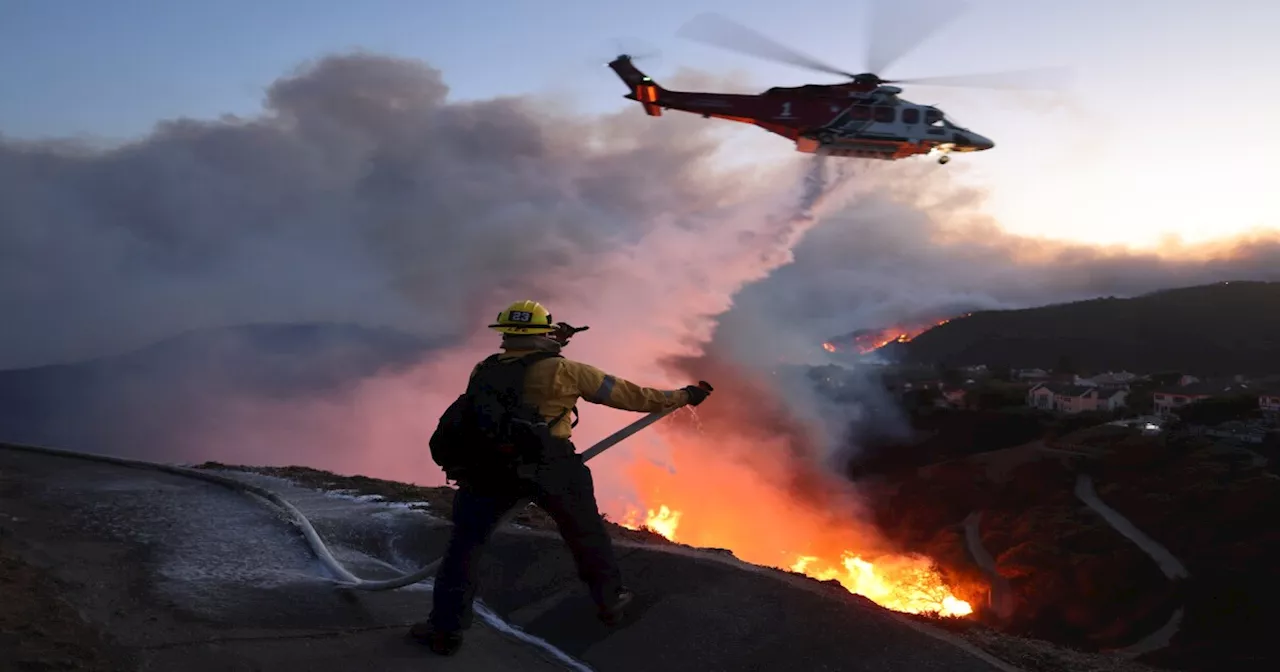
[(896, 27), (1035, 78), (720, 31)]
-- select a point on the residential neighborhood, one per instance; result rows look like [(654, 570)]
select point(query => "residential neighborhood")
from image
[(1076, 398), (1111, 392), (1125, 393)]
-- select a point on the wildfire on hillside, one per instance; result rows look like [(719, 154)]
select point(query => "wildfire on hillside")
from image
[(870, 340), (902, 583), (741, 477), (663, 521)]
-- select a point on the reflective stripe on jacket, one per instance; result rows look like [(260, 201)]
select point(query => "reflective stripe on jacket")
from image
[(555, 384)]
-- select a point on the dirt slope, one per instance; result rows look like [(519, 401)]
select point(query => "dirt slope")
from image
[(178, 573)]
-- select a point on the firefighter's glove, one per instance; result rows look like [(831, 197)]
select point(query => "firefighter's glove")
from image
[(565, 331), (696, 394)]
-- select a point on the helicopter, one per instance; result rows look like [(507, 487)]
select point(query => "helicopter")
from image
[(863, 117)]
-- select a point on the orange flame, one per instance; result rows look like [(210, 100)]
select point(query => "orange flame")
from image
[(734, 492), (663, 521), (899, 583), (871, 340)]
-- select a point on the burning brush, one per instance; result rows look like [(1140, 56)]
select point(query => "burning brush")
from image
[(748, 478), (866, 341)]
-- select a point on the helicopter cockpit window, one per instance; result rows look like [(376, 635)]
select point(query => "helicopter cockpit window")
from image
[(933, 117), (911, 116)]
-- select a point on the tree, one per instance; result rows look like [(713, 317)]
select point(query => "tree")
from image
[(920, 398), (993, 396), (1140, 400), (1165, 378), (1217, 410)]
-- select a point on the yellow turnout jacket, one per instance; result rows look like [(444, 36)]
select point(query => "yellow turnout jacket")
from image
[(555, 384)]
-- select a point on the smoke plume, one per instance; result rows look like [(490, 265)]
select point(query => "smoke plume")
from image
[(360, 194)]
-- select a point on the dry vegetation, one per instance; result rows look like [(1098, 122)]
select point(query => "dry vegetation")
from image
[(1080, 583), (39, 630)]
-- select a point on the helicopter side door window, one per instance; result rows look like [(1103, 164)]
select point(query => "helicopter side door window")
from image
[(911, 116), (884, 115), (861, 113), (934, 120)]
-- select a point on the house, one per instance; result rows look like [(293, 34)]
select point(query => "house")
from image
[(953, 396), (1269, 403), (1074, 398), (1111, 399), (1166, 401), (1108, 379)]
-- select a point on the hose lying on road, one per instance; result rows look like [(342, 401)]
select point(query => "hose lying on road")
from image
[(344, 578)]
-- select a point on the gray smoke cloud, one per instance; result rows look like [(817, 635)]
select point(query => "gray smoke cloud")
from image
[(911, 247), (362, 195), (359, 194), (915, 243)]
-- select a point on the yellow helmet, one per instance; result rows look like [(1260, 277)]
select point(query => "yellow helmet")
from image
[(524, 317)]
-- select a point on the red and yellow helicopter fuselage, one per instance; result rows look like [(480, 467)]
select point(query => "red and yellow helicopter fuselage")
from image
[(857, 119)]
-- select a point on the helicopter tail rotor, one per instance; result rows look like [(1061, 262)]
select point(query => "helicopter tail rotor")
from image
[(634, 49), (637, 49)]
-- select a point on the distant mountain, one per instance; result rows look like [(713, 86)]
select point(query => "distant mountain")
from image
[(1224, 328), (144, 402)]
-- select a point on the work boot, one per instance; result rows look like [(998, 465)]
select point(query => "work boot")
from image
[(612, 613), (442, 643)]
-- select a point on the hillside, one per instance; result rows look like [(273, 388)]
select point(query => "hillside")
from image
[(144, 401), (121, 568), (1220, 329), (1077, 581)]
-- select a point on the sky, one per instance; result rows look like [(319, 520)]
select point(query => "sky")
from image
[(1166, 132)]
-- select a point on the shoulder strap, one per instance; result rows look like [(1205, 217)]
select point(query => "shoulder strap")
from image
[(509, 371)]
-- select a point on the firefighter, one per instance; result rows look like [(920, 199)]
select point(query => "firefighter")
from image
[(556, 478)]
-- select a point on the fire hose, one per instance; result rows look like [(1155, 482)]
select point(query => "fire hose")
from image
[(344, 578)]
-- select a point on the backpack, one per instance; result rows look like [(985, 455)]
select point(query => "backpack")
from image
[(489, 429)]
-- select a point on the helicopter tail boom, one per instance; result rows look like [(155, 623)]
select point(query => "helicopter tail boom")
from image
[(643, 88)]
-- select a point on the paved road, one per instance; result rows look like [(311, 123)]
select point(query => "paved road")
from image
[(192, 576), (1172, 567)]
